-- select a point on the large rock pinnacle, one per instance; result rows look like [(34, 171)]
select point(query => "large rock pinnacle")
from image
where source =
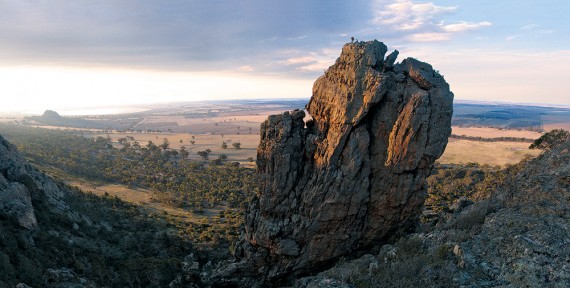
[(354, 174)]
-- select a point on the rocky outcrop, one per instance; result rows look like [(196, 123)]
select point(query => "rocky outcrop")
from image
[(352, 175), (518, 237), (20, 183), (526, 243)]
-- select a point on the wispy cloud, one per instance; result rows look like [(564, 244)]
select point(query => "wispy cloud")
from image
[(406, 15), (465, 26), (314, 61), (246, 68), (529, 27), (429, 37), (420, 22), (300, 60)]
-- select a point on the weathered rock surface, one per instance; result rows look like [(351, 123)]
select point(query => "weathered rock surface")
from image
[(354, 174), (523, 239), (527, 242), (20, 183)]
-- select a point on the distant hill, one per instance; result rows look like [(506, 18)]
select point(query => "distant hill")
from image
[(50, 114), (52, 118), (509, 116)]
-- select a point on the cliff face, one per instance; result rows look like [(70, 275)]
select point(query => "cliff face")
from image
[(353, 174), (20, 183)]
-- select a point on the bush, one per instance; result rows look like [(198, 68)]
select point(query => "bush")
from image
[(550, 139)]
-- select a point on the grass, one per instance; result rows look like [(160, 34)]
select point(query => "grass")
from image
[(488, 132), (457, 151), (213, 142), (460, 151), (144, 197)]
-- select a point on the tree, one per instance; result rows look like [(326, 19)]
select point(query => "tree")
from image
[(184, 153), (203, 154), (236, 145), (126, 145), (224, 145), (250, 159), (165, 144), (550, 139), (223, 157), (101, 140)]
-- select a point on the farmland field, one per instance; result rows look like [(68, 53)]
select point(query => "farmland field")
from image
[(200, 126), (493, 153)]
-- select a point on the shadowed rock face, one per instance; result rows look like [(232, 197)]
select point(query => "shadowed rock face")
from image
[(355, 173), (20, 183)]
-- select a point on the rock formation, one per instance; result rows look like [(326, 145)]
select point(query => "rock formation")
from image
[(20, 183), (352, 175), (517, 237), (526, 242)]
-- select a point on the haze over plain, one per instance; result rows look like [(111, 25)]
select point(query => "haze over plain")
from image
[(69, 55)]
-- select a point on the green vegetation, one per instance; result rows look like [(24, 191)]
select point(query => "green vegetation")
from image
[(448, 183), (214, 191), (495, 139), (550, 139), (108, 241), (182, 183)]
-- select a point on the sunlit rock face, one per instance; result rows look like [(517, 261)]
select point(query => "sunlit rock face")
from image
[(354, 174)]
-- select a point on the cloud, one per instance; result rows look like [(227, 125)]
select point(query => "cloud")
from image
[(420, 22), (533, 27), (300, 60), (465, 26), (429, 37), (182, 36), (529, 27), (310, 62), (246, 68), (406, 15)]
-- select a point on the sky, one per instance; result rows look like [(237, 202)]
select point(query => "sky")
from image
[(75, 54)]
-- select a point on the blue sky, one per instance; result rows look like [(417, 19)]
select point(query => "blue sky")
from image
[(66, 54)]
